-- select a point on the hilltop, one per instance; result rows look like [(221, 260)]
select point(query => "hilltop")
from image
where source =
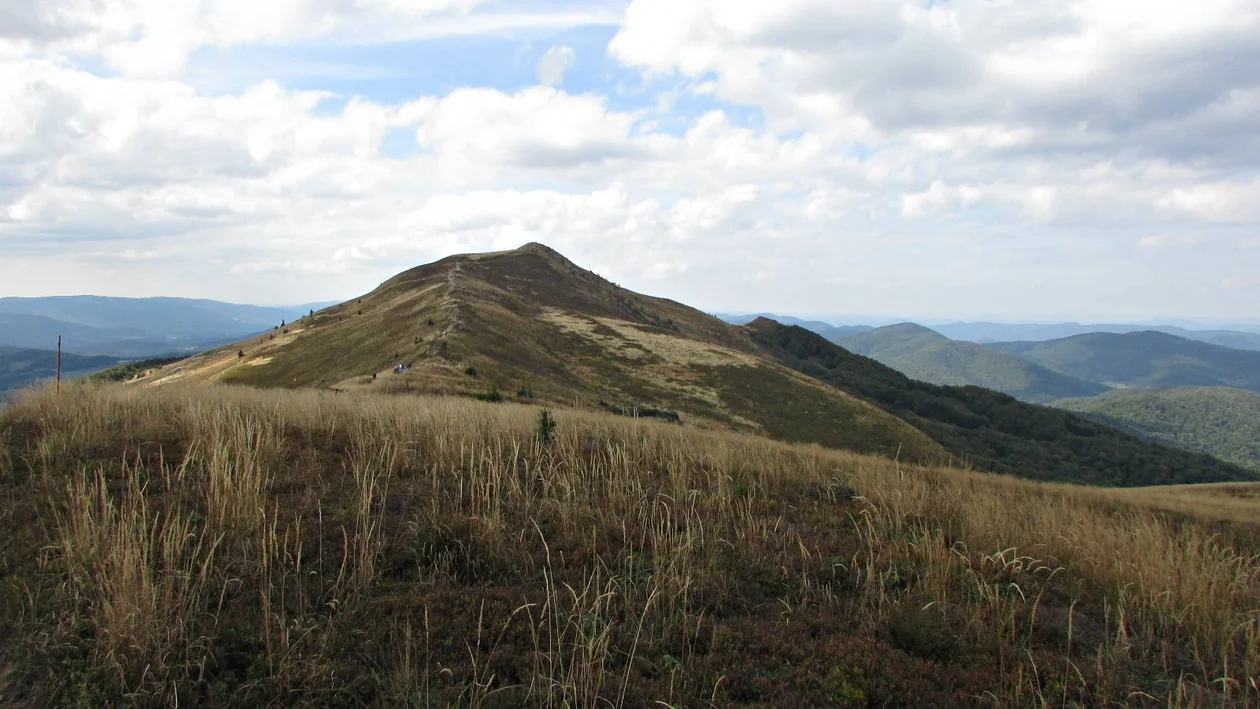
[(529, 325), (1142, 359), (1220, 421), (926, 355)]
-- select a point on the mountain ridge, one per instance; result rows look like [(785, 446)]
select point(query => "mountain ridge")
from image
[(529, 325), (994, 431), (927, 355), (1147, 359), (20, 367), (1237, 336)]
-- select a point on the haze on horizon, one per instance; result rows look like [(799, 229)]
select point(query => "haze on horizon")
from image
[(1020, 160)]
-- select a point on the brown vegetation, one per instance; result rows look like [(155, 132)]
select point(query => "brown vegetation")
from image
[(232, 546), (530, 319)]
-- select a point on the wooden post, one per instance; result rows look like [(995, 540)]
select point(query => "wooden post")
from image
[(58, 365)]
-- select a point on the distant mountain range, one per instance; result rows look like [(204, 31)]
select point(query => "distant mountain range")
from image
[(19, 367), (827, 330), (926, 355), (132, 327), (1190, 394), (1243, 337), (1000, 332), (1142, 359), (112, 329), (1220, 421), (989, 430)]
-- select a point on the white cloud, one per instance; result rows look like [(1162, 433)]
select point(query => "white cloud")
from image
[(890, 155), (1095, 74), (1235, 201), (554, 62), (153, 38), (538, 127)]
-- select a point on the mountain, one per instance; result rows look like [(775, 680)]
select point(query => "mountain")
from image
[(132, 327), (988, 332), (528, 325), (827, 330), (994, 431), (1142, 359), (19, 367), (926, 355), (1220, 421)]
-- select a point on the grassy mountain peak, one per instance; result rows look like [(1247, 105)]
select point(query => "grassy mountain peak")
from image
[(530, 325)]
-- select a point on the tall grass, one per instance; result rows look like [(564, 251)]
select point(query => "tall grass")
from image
[(227, 545)]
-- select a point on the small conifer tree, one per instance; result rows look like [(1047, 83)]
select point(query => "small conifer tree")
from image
[(546, 429)]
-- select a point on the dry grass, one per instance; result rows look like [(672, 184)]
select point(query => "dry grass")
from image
[(231, 546)]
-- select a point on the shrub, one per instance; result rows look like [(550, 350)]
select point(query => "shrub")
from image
[(841, 690), (921, 632), (471, 371), (647, 412), (493, 396), (546, 428)]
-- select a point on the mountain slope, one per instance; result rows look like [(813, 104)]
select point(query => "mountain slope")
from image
[(19, 367), (929, 356), (1142, 359), (993, 431), (529, 325), (1219, 421)]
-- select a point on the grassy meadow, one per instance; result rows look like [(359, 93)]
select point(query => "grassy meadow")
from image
[(223, 545)]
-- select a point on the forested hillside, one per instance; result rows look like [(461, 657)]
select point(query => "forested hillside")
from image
[(1143, 359), (994, 431), (1220, 421), (926, 355)]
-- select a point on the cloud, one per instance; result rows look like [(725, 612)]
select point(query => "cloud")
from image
[(885, 155), (554, 62), (538, 127), (1089, 77), (154, 38)]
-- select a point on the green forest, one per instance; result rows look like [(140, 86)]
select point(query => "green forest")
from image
[(1220, 421), (993, 431)]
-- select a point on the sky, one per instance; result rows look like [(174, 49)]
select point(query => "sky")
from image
[(1018, 160)]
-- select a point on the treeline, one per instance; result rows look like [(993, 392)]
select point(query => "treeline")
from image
[(129, 370)]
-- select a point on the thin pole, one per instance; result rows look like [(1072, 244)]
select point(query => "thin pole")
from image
[(58, 365)]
